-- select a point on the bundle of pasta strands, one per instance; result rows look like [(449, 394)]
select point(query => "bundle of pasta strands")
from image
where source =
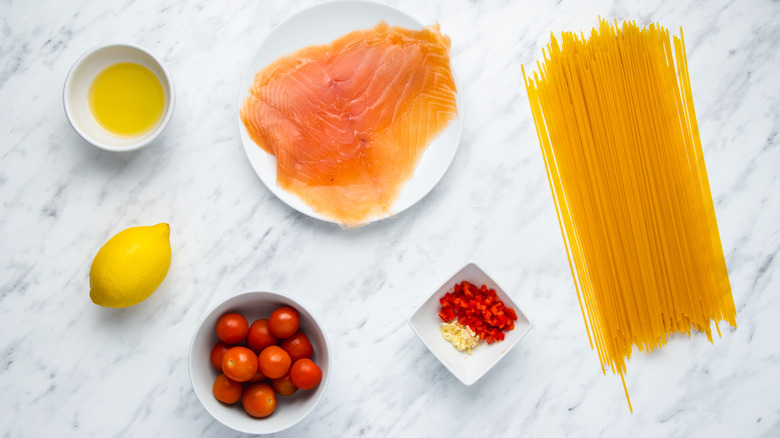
[(615, 119)]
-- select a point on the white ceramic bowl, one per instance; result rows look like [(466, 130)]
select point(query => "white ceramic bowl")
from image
[(76, 91), (290, 409), (467, 368)]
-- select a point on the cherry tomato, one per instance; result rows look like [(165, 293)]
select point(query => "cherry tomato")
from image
[(217, 353), (257, 377), (239, 364), (226, 390), (305, 374), (274, 362), (259, 400), (259, 336), (232, 328), (284, 322), (297, 346), (284, 386)]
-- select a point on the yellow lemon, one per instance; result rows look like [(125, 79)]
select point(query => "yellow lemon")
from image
[(130, 266)]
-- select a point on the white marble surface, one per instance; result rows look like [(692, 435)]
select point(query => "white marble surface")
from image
[(70, 368)]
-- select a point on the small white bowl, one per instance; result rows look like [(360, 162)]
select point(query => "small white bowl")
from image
[(76, 90), (467, 368), (289, 409)]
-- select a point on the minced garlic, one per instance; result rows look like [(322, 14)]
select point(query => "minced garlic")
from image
[(459, 335)]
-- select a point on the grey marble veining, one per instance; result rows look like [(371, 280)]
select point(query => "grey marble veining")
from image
[(69, 368)]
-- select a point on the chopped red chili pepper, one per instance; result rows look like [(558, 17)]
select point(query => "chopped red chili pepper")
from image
[(479, 308)]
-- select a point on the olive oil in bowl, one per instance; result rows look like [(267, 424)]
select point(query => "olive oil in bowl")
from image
[(127, 99)]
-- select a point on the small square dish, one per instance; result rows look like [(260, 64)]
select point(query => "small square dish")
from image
[(468, 368)]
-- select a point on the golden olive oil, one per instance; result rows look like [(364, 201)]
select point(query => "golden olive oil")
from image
[(126, 99)]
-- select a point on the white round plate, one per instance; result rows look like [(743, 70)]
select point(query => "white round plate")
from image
[(322, 24)]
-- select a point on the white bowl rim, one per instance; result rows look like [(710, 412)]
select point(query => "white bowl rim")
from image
[(325, 378), (160, 127)]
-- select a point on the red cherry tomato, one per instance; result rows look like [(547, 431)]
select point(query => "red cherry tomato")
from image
[(274, 362), (259, 400), (284, 322), (284, 386), (260, 336), (226, 390), (217, 353), (232, 328), (239, 364), (305, 374), (297, 346), (257, 377)]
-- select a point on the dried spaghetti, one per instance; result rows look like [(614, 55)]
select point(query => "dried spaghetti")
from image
[(621, 145)]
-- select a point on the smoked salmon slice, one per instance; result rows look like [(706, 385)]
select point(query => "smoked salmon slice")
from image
[(348, 121)]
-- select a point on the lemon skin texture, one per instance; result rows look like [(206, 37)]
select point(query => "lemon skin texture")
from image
[(130, 266)]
